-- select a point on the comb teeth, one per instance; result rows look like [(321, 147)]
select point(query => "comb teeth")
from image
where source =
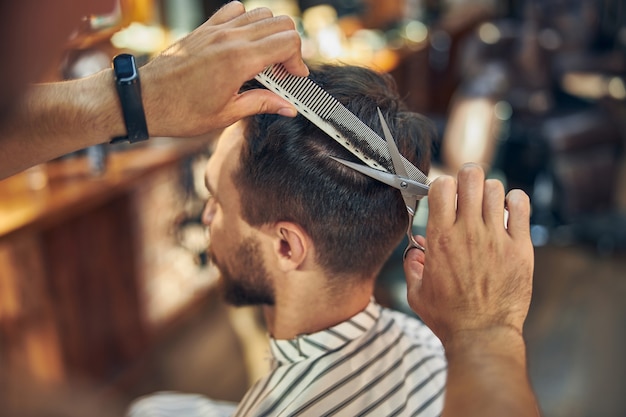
[(302, 89), (327, 113)]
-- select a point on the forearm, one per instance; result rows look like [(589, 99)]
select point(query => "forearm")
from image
[(57, 118), (487, 375), (188, 90)]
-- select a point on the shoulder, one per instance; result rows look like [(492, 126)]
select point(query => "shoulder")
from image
[(174, 404), (412, 328)]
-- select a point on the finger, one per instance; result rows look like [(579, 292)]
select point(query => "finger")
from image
[(421, 256), (253, 16), (493, 203), (285, 48), (442, 202), (227, 13), (276, 38), (266, 28), (296, 66), (518, 204), (420, 239), (414, 271), (471, 182), (261, 101)]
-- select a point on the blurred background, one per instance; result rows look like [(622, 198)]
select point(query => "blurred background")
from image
[(105, 291)]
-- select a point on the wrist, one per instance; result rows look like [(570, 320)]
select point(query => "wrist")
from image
[(501, 341), (101, 106), (153, 101), (487, 374)]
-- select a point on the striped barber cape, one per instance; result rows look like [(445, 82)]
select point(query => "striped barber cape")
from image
[(378, 363)]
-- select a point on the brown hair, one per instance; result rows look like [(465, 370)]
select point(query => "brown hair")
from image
[(286, 174)]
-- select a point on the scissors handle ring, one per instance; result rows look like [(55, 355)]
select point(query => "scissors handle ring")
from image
[(412, 244), (409, 233)]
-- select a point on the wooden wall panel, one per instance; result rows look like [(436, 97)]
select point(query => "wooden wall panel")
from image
[(91, 265)]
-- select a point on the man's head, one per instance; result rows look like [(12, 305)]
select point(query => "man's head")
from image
[(286, 185)]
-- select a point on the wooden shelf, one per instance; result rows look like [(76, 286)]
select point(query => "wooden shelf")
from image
[(89, 269)]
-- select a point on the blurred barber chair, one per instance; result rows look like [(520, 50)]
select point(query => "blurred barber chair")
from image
[(513, 114), (577, 183), (584, 147), (565, 144)]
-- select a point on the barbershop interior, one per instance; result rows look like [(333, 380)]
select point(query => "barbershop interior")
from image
[(106, 291)]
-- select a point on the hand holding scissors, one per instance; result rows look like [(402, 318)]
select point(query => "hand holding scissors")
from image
[(412, 191)]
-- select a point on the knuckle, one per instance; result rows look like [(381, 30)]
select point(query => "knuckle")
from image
[(494, 191), (443, 241), (285, 21), (474, 238), (494, 185), (443, 183), (259, 13), (293, 40)]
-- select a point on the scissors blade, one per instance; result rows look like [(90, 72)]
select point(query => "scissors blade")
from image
[(414, 188), (396, 158), (410, 199)]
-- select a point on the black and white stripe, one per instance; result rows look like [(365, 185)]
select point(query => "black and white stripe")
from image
[(377, 359), (378, 363)]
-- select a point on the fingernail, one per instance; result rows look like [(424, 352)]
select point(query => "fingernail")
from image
[(288, 112)]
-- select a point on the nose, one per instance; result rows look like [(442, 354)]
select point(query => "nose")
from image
[(209, 212)]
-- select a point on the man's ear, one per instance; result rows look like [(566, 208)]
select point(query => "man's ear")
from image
[(292, 245)]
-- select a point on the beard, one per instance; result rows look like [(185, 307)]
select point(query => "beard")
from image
[(244, 280)]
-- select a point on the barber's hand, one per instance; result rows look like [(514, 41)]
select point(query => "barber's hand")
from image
[(476, 275), (192, 87)]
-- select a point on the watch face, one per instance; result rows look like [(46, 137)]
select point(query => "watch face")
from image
[(124, 67)]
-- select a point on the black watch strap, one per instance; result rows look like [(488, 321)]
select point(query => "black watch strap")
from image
[(129, 93)]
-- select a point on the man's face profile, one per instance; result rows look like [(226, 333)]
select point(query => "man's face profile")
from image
[(234, 249)]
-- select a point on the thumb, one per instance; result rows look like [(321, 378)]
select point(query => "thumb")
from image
[(259, 101), (414, 270)]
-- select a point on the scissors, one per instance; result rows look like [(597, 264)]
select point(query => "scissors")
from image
[(412, 191)]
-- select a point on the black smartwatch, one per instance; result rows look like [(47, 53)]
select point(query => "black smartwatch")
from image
[(129, 93)]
